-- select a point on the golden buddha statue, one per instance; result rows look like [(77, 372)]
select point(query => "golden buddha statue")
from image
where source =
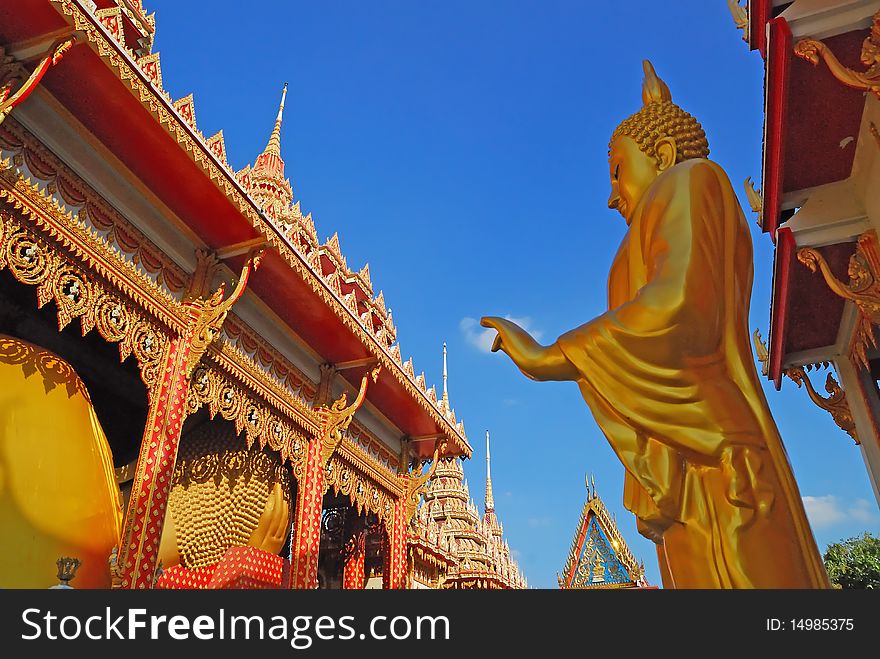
[(223, 495), (59, 501), (668, 371)]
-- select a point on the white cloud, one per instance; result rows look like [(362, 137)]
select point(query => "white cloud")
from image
[(864, 511), (482, 337), (829, 510), (540, 522)]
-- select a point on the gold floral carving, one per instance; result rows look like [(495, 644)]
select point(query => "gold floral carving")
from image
[(336, 418), (869, 80), (863, 288), (71, 192), (11, 73), (344, 476), (94, 252), (32, 261), (835, 404), (210, 386)]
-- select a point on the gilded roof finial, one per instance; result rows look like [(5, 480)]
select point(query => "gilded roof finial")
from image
[(274, 145)]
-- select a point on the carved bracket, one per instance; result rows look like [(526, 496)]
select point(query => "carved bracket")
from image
[(336, 418), (417, 481), (863, 289), (207, 315), (835, 404), (8, 100), (811, 50)]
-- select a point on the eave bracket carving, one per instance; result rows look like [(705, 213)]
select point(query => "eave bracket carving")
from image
[(10, 72), (811, 50), (336, 418), (835, 404), (863, 289), (417, 480), (207, 315)]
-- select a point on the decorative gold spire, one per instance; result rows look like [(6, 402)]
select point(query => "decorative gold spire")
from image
[(268, 186), (490, 501), (445, 398), (274, 145)]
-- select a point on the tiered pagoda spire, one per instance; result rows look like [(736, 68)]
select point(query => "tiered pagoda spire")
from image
[(480, 554), (269, 187), (489, 516), (490, 500), (274, 145)]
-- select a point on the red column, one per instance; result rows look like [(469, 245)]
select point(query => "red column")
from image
[(394, 573), (145, 516), (307, 521), (353, 570)]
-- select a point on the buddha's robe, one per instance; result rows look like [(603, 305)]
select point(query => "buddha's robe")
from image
[(669, 375), (58, 491)]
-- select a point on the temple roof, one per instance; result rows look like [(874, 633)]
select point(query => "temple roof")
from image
[(599, 556), (306, 283)]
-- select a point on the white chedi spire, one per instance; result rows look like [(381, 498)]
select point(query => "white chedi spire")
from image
[(445, 398), (490, 500)]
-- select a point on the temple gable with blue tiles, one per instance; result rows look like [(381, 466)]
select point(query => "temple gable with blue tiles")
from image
[(599, 556)]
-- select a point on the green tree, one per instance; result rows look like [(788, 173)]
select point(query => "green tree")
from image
[(854, 563)]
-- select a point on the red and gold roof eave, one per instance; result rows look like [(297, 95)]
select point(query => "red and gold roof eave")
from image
[(139, 124), (760, 12), (793, 147)]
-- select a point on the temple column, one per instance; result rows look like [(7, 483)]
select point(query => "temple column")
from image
[(394, 572), (353, 554), (306, 539), (134, 563), (865, 408), (145, 517)]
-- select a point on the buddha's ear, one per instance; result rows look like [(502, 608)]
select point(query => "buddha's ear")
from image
[(667, 152)]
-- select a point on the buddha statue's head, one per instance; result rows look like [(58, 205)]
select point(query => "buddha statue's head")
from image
[(644, 145)]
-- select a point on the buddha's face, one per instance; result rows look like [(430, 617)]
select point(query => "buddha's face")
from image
[(632, 172)]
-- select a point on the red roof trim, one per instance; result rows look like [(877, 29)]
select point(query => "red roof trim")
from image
[(759, 14), (784, 256), (776, 95)]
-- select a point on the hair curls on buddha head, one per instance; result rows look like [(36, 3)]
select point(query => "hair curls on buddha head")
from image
[(660, 117)]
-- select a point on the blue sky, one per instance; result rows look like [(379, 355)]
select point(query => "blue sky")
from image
[(461, 149)]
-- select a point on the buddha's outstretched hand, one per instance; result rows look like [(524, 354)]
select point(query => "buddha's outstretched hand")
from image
[(274, 523), (512, 339), (534, 360)]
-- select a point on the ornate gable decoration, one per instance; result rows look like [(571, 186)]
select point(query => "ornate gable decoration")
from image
[(599, 556)]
